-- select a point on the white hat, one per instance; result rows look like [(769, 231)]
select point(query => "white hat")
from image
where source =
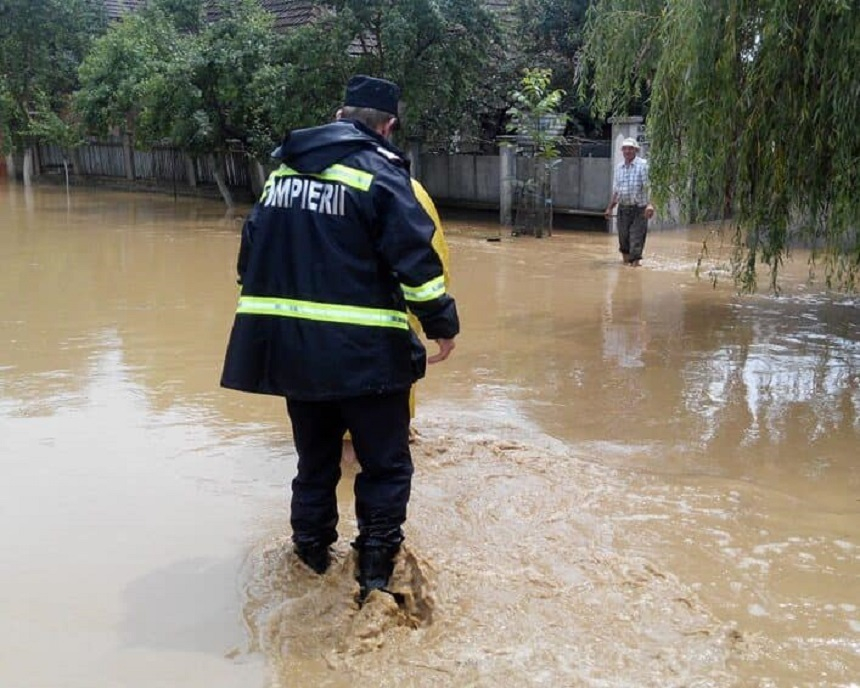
[(633, 143)]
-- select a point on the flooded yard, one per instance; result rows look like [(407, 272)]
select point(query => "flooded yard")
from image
[(624, 477)]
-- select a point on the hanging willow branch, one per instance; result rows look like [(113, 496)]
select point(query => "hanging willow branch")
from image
[(752, 117)]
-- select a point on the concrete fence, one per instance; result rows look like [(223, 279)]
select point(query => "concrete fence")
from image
[(578, 184)]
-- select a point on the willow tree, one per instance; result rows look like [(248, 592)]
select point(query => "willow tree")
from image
[(752, 117)]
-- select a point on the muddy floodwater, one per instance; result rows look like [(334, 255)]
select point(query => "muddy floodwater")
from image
[(624, 477)]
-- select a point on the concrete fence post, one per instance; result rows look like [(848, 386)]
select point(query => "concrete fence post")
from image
[(77, 163), (190, 171), (27, 166), (622, 128), (627, 127), (415, 158), (507, 180), (128, 156)]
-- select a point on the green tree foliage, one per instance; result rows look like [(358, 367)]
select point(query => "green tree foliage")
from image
[(152, 75), (555, 27), (41, 45), (535, 113), (753, 115), (549, 34), (186, 15), (118, 72), (173, 104), (437, 50), (315, 65), (216, 90)]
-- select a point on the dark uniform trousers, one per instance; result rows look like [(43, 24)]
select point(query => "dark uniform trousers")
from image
[(379, 425), (632, 230)]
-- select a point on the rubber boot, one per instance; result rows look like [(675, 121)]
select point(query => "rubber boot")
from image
[(375, 566), (315, 555)]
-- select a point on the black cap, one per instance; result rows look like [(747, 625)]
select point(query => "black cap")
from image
[(370, 92)]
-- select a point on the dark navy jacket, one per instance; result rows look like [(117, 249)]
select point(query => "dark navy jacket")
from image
[(332, 254)]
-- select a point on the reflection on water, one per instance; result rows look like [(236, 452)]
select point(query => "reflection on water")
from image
[(795, 364), (625, 476)]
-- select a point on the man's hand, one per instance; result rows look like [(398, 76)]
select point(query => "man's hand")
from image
[(608, 212), (446, 346), (649, 211)]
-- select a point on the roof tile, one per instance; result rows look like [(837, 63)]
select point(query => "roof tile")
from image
[(288, 13), (117, 8)]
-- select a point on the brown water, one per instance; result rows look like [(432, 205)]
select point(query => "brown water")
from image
[(625, 477)]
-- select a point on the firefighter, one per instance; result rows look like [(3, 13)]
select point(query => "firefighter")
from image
[(332, 255)]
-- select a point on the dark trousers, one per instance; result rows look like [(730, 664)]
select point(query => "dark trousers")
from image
[(379, 425), (632, 230)]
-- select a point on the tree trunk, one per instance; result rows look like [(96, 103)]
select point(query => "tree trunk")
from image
[(77, 165), (37, 161), (10, 166), (128, 157), (258, 177), (28, 166), (415, 146), (540, 197), (190, 171), (218, 174)]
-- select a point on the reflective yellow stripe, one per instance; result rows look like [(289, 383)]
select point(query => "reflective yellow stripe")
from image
[(322, 312), (426, 292), (357, 179)]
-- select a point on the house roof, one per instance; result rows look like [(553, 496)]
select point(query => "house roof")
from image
[(290, 13), (287, 13), (499, 5), (114, 9), (503, 9)]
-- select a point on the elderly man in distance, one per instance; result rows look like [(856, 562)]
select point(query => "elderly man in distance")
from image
[(630, 192)]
